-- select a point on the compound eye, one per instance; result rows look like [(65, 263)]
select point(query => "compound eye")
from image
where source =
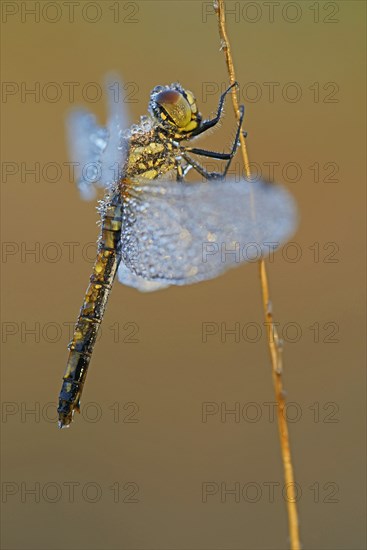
[(175, 106)]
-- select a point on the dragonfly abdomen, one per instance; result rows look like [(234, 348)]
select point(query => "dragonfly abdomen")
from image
[(92, 310)]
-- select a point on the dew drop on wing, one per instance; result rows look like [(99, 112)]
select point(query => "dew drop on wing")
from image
[(184, 228), (99, 152)]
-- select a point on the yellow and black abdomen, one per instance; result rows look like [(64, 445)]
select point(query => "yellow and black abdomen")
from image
[(92, 310)]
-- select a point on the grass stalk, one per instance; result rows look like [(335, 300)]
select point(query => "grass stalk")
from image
[(274, 342)]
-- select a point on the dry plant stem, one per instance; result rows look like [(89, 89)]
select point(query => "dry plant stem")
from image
[(275, 346)]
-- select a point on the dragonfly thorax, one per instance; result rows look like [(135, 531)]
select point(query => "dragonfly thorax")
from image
[(152, 153), (175, 110)]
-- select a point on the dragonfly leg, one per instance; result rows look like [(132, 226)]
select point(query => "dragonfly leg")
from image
[(91, 313), (181, 171), (207, 175), (207, 124), (212, 154)]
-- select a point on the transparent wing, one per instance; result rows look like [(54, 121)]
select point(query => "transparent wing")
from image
[(128, 278), (182, 233), (99, 152)]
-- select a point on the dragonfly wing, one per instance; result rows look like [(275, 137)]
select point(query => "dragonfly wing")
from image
[(181, 233), (118, 120), (128, 278), (98, 152)]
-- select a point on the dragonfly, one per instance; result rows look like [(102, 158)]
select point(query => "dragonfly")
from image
[(156, 228)]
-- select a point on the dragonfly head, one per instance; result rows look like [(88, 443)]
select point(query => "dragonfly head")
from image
[(175, 110)]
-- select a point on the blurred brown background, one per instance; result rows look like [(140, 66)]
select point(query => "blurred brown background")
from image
[(146, 466)]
